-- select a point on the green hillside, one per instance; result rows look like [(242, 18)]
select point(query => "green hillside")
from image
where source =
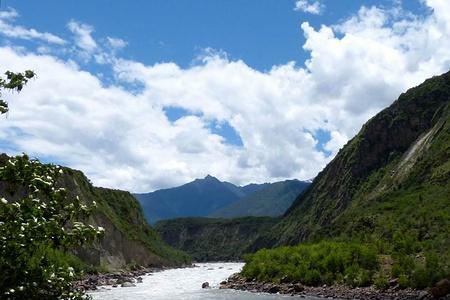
[(389, 187), (128, 239), (207, 239)]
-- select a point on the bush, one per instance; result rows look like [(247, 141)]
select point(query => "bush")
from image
[(313, 264), (37, 231), (381, 281)]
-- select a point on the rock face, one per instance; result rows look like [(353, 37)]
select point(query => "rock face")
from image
[(128, 238), (207, 239), (401, 152)]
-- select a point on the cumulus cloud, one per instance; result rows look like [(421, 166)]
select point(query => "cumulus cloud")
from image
[(7, 17), (123, 138), (309, 6)]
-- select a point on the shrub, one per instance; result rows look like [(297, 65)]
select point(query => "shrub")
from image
[(313, 264), (37, 230), (381, 281)]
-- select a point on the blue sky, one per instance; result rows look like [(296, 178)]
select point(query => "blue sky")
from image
[(272, 88), (263, 33)]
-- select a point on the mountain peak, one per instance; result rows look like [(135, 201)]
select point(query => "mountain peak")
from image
[(211, 179)]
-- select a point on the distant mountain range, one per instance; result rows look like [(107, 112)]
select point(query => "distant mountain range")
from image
[(212, 197), (273, 199)]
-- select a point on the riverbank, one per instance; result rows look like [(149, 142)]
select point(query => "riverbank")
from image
[(238, 282), (91, 282), (123, 278), (184, 283)]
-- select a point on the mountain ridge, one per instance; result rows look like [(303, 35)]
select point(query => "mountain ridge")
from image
[(390, 155), (271, 200), (203, 197), (128, 239)]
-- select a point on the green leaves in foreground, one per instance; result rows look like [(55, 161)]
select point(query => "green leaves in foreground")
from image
[(13, 82), (38, 224)]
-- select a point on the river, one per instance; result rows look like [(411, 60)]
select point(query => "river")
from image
[(185, 284)]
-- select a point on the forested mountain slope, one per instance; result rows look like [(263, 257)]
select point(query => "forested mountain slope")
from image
[(128, 240)]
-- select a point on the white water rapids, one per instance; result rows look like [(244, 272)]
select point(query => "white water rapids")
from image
[(184, 284)]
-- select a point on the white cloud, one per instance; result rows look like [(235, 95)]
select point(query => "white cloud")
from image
[(123, 139), (20, 32), (116, 43), (309, 6), (83, 36)]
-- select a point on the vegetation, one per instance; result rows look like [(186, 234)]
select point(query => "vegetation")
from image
[(388, 189), (36, 230), (354, 264), (38, 225), (315, 264), (124, 211), (273, 200), (48, 225), (207, 239), (13, 82)]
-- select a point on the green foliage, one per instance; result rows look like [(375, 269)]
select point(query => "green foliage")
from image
[(14, 82), (418, 271), (381, 281), (36, 230), (314, 264), (124, 211), (209, 239), (388, 187)]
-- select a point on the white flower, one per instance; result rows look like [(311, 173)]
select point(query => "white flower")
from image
[(4, 201), (100, 228)]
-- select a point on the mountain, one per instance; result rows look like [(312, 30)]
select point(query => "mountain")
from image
[(379, 213), (197, 198), (128, 240), (207, 239), (235, 227), (392, 178), (271, 200)]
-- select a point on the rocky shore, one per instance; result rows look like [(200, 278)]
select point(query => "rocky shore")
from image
[(123, 278), (91, 282), (238, 282)]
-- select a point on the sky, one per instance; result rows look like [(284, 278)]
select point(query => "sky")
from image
[(153, 94)]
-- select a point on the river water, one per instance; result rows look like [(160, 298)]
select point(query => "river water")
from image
[(185, 284)]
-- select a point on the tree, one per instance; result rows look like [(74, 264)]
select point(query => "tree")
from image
[(39, 224), (13, 82)]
